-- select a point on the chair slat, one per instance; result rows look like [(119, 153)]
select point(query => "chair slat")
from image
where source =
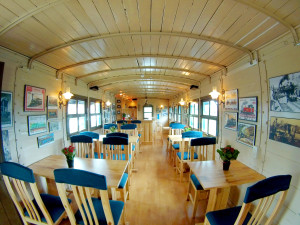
[(79, 202), (89, 199), (31, 205), (106, 207), (83, 198)]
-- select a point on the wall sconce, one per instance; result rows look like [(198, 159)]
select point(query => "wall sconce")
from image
[(161, 106), (215, 94), (182, 102), (66, 95), (108, 103)]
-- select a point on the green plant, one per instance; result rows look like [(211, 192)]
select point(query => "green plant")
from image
[(124, 115), (228, 153), (113, 129), (187, 129), (69, 152)]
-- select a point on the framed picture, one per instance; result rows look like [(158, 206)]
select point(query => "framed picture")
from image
[(6, 109), (230, 120), (52, 113), (248, 109), (52, 102), (6, 145), (54, 126), (284, 93), (45, 139), (118, 112), (118, 106), (285, 130), (118, 101), (231, 99), (246, 134), (37, 124), (34, 99)]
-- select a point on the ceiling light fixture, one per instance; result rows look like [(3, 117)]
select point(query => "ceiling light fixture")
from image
[(182, 102), (67, 96)]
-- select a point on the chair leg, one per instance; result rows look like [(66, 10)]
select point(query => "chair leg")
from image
[(181, 171), (195, 203)]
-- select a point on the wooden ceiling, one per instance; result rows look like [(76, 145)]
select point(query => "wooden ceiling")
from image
[(153, 48)]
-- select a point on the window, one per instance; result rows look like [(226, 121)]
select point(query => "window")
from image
[(170, 113), (76, 115), (209, 116), (193, 115), (175, 113), (148, 112), (95, 114), (179, 114)]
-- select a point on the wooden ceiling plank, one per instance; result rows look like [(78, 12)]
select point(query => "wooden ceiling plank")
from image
[(203, 49), (128, 45), (180, 45), (144, 7), (211, 51), (104, 47), (112, 46), (13, 7), (163, 44), (198, 45), (117, 9), (182, 14), (172, 45), (188, 47), (171, 7), (95, 48), (157, 8), (146, 40), (288, 10), (294, 17), (137, 43), (7, 15), (154, 44), (132, 12), (27, 4), (120, 45)]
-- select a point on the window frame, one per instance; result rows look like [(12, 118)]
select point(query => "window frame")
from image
[(179, 115), (216, 118), (193, 115), (95, 114), (150, 106)]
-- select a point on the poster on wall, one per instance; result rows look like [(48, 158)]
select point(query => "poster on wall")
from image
[(6, 109), (231, 99), (6, 149), (285, 130), (45, 140), (246, 134), (54, 126), (230, 121), (37, 124), (248, 109), (52, 107), (34, 99), (285, 93)]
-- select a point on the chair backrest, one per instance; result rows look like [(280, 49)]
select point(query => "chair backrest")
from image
[(186, 140), (264, 191), (93, 135), (130, 129), (112, 147), (83, 145), (136, 121), (201, 147), (176, 128), (120, 122), (106, 127), (82, 183), (17, 178), (117, 134)]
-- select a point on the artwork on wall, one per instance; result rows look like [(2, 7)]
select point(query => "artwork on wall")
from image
[(230, 120), (231, 99), (54, 126), (118, 112), (118, 106), (6, 149), (52, 113), (45, 139), (37, 124), (246, 133), (285, 130), (34, 99), (248, 109), (285, 93), (118, 101), (6, 109), (52, 107)]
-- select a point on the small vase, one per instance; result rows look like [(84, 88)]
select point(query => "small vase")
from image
[(226, 165), (70, 163)]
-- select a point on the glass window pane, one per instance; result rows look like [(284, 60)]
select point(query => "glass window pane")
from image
[(72, 106), (97, 107), (195, 123), (213, 127), (206, 108), (205, 125), (148, 109), (92, 107), (191, 121), (93, 121), (81, 107), (147, 116), (213, 108), (82, 123), (192, 108), (179, 118), (98, 120), (179, 109), (196, 108), (73, 125)]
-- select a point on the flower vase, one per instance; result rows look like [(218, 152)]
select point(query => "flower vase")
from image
[(70, 163), (226, 165)]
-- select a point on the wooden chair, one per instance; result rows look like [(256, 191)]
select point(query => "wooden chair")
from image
[(90, 210), (195, 190), (265, 191), (184, 155), (96, 142), (83, 145), (130, 129), (106, 127), (120, 123), (175, 129), (33, 207), (139, 128)]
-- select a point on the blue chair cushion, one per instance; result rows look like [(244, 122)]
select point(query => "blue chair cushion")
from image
[(185, 155), (53, 205), (116, 209), (175, 146), (196, 182), (123, 180), (139, 135), (123, 157), (226, 216)]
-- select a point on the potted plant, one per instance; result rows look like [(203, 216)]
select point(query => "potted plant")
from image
[(228, 153), (70, 153), (188, 128), (124, 115), (113, 129)]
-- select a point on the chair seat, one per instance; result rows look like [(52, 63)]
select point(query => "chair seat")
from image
[(226, 216), (123, 180), (186, 156), (116, 209), (123, 157), (53, 205), (196, 182), (175, 146)]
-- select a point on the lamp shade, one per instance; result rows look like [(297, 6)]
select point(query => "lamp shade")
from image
[(214, 94), (182, 102), (67, 95)]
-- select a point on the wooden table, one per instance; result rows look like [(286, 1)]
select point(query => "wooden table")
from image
[(111, 169), (212, 177)]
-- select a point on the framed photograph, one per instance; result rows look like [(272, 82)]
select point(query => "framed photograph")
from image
[(37, 124), (285, 130), (246, 134), (6, 145), (34, 99), (118, 101), (248, 109), (6, 109), (230, 120), (118, 106), (231, 99), (45, 139), (52, 113), (284, 93), (52, 102), (118, 112), (54, 126)]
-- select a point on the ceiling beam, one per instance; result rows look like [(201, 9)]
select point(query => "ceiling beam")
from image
[(173, 34)]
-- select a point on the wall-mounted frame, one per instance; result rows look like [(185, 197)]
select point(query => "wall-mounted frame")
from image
[(248, 109), (231, 99), (37, 124), (118, 106), (6, 109), (230, 120), (118, 101), (34, 99), (246, 134), (6, 145), (54, 126), (45, 140), (118, 112), (52, 113)]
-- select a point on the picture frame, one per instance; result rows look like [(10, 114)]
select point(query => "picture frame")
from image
[(248, 108), (45, 140), (246, 134), (118, 101), (6, 145), (285, 130), (6, 109), (34, 99), (54, 126), (37, 124), (52, 113), (118, 106), (52, 102), (118, 112), (231, 99), (231, 120)]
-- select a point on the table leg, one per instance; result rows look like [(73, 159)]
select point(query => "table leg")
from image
[(113, 193)]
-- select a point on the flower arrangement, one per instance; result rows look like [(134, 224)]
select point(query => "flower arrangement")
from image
[(113, 129), (69, 152), (228, 153)]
